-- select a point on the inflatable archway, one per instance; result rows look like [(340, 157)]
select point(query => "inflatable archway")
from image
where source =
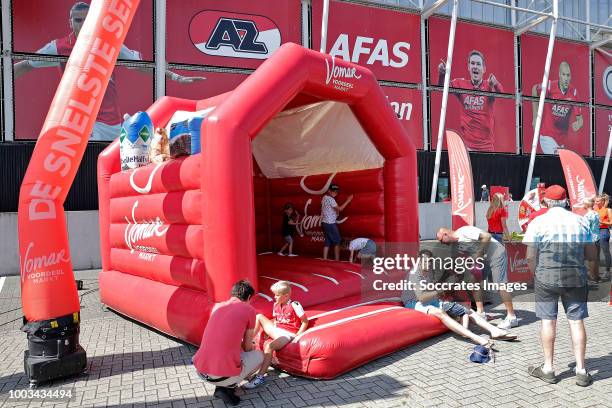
[(177, 235)]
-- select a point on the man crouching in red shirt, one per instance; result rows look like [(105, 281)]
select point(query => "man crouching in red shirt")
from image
[(227, 355)]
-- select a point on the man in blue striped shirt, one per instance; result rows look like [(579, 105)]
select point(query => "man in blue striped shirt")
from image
[(558, 243)]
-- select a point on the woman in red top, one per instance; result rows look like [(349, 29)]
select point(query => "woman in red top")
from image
[(496, 218), (605, 219)]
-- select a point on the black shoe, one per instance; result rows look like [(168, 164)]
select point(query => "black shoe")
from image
[(228, 395)]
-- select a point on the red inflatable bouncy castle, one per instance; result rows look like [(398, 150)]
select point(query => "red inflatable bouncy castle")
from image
[(177, 235)]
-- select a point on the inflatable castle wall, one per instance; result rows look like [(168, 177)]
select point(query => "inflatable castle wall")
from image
[(176, 235)]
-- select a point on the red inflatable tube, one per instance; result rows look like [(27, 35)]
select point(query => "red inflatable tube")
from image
[(175, 175), (171, 270), (172, 239), (177, 207), (184, 315), (361, 181), (335, 346)]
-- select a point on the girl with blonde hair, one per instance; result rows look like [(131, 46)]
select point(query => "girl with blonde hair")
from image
[(496, 218)]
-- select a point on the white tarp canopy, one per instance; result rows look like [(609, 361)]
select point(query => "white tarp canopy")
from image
[(320, 138)]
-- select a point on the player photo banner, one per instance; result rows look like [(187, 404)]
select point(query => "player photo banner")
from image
[(216, 83), (39, 24), (462, 184), (569, 69), (485, 122), (483, 57), (579, 179), (129, 91), (408, 106), (603, 125), (388, 42), (564, 126), (603, 76), (231, 33)]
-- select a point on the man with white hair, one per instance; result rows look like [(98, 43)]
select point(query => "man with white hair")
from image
[(558, 242)]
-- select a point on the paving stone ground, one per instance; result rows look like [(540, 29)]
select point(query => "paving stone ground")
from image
[(132, 365)]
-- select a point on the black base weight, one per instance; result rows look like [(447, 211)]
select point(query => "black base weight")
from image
[(40, 369), (53, 350)]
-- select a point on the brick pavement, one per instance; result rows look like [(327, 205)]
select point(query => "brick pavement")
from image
[(131, 365)]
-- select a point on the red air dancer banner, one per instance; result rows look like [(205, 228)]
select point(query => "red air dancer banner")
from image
[(491, 129), (462, 184), (483, 57), (579, 179), (603, 125), (603, 76), (387, 42), (231, 33), (564, 126), (48, 288)]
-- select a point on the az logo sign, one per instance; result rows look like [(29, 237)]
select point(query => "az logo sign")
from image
[(234, 35)]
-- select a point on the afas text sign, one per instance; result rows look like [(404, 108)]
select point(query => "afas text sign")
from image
[(386, 41)]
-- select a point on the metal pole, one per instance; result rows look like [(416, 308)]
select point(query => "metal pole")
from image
[(449, 61), (160, 48), (424, 81), (604, 171), (7, 77), (536, 131), (517, 93), (305, 24), (324, 26)]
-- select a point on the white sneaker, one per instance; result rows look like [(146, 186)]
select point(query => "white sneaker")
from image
[(255, 382), (281, 254), (508, 323), (292, 255)]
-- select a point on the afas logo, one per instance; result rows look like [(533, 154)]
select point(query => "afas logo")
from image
[(234, 35), (370, 51)]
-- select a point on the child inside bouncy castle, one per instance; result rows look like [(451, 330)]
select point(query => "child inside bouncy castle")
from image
[(290, 220), (365, 249), (288, 321)]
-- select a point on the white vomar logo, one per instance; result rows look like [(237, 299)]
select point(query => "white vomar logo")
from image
[(308, 222), (519, 263), (462, 204), (317, 192), (37, 263), (334, 72), (136, 232)]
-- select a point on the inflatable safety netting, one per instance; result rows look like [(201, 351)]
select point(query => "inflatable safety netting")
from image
[(176, 235)]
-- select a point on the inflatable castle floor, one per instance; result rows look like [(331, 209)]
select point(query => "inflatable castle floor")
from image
[(177, 235)]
